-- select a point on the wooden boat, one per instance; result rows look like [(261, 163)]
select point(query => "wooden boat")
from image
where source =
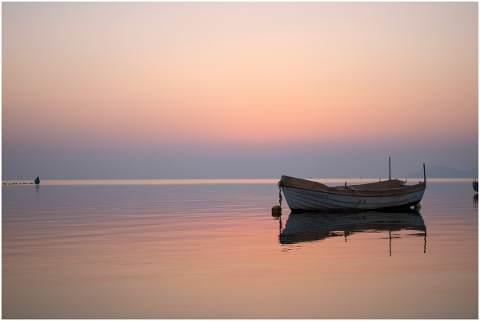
[(308, 196)]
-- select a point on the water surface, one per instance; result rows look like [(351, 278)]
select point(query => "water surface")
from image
[(211, 249)]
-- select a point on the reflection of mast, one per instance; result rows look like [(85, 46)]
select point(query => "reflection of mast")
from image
[(390, 242), (425, 241)]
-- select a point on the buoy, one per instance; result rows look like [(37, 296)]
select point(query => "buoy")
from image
[(417, 207), (276, 210), (37, 180)]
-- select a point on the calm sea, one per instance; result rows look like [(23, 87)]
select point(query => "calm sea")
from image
[(211, 249)]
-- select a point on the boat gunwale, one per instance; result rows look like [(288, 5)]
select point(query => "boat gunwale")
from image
[(352, 190)]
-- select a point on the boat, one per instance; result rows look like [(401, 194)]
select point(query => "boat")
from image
[(475, 185), (304, 195)]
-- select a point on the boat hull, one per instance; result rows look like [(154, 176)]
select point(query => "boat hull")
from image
[(301, 199)]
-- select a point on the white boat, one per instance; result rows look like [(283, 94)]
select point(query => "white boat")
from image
[(309, 196)]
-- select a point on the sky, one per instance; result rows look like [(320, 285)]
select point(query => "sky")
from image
[(237, 90)]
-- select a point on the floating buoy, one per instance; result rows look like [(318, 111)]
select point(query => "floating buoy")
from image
[(417, 207), (276, 210), (37, 180)]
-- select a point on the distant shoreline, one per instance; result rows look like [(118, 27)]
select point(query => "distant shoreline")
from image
[(217, 181)]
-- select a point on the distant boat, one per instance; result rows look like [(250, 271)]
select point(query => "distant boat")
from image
[(308, 196), (475, 185)]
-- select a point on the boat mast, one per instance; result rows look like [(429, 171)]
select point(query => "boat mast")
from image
[(424, 175), (389, 169)]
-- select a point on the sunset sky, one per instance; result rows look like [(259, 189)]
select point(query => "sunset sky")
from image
[(237, 90)]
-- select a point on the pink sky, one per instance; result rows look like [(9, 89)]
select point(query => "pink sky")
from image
[(238, 78)]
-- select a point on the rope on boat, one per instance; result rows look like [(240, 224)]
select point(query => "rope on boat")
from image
[(280, 192), (277, 209)]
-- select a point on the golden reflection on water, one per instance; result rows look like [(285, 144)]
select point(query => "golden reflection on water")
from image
[(214, 251)]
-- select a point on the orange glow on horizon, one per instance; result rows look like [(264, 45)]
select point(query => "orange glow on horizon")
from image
[(176, 73)]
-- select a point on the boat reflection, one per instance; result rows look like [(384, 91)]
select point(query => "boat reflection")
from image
[(312, 226)]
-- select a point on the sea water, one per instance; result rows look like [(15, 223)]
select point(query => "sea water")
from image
[(212, 249)]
